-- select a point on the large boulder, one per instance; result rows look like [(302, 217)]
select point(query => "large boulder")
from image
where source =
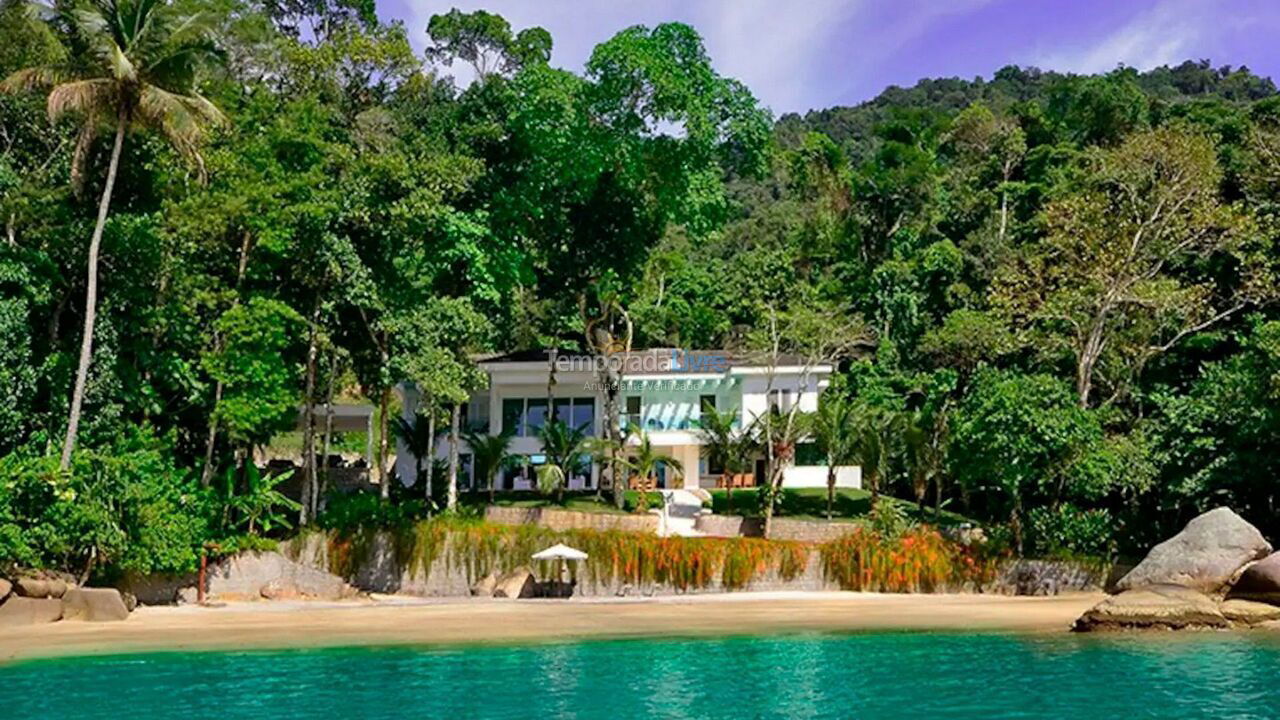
[(18, 611), (1155, 606), (485, 586), (32, 587), (1248, 612), (1260, 581), (1205, 556), (516, 584), (5, 588), (94, 605), (255, 575)]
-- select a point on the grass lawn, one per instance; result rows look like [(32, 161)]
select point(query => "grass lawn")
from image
[(578, 501), (811, 504)]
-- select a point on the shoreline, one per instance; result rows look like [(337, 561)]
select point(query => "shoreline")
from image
[(387, 621)]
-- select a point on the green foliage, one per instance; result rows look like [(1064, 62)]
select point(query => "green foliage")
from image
[(1065, 531), (252, 502), (256, 367), (126, 509)]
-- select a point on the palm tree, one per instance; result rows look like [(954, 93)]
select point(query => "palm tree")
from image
[(644, 461), (418, 436), (489, 455), (835, 431), (924, 436), (872, 445), (566, 449), (725, 445), (138, 72)]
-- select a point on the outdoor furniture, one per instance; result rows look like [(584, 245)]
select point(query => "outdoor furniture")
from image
[(559, 587), (740, 480)]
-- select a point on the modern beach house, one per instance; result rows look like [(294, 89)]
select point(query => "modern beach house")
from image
[(663, 392)]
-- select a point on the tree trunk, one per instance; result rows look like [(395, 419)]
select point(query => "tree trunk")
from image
[(831, 487), (937, 498), (455, 417), (384, 477), (431, 444), (328, 433), (91, 294), (309, 422), (206, 474)]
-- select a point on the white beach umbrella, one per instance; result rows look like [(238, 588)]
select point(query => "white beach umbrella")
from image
[(560, 551)]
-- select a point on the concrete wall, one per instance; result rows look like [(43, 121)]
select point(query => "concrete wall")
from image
[(815, 476), (557, 519)]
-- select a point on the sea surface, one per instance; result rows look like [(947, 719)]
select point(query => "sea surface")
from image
[(867, 675)]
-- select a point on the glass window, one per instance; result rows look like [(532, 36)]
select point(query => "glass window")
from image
[(584, 413), (706, 401), (561, 411), (633, 411), (464, 471), (535, 416), (513, 416)]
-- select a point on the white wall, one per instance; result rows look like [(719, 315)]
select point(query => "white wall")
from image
[(812, 476)]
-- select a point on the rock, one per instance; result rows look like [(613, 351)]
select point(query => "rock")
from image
[(244, 576), (94, 605), (5, 588), (517, 584), (485, 586), (130, 600), (1205, 556), (1260, 581), (32, 587), (1154, 606), (279, 589), (1248, 612), (18, 611), (57, 587)]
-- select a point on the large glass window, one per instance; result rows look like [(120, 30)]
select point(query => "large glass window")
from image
[(535, 415), (584, 413), (563, 410), (513, 416), (633, 411)]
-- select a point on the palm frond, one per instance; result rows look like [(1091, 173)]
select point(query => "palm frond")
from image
[(182, 119), (91, 98), (39, 77)]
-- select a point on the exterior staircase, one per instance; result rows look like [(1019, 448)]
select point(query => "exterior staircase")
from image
[(680, 511)]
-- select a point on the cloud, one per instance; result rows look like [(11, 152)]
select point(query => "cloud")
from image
[(778, 49), (1168, 33)]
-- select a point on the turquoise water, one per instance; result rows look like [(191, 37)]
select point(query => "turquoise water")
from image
[(882, 675)]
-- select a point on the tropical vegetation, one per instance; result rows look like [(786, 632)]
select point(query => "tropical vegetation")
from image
[(1050, 298)]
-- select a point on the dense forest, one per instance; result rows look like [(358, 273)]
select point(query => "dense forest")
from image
[(1051, 296)]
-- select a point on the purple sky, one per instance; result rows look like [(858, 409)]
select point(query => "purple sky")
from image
[(807, 54)]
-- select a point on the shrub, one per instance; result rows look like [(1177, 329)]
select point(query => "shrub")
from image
[(918, 559), (123, 509), (1067, 531)]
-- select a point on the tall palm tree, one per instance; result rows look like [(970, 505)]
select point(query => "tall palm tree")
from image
[(489, 455), (725, 445), (137, 72), (566, 449), (835, 430), (644, 460)]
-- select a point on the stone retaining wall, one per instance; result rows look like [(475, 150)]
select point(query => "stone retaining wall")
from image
[(557, 519), (782, 528)]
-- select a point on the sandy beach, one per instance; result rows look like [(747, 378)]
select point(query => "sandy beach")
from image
[(409, 621)]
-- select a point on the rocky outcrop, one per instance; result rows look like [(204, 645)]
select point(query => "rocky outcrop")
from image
[(1206, 556), (18, 611), (485, 586), (32, 587), (256, 575), (1260, 581), (517, 584), (1155, 606), (94, 605), (6, 587), (1248, 612)]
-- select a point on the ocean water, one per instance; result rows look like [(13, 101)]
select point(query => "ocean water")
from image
[(870, 675)]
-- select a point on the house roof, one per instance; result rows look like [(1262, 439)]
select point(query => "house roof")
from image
[(659, 360)]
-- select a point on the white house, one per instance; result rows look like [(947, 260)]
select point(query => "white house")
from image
[(663, 391)]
